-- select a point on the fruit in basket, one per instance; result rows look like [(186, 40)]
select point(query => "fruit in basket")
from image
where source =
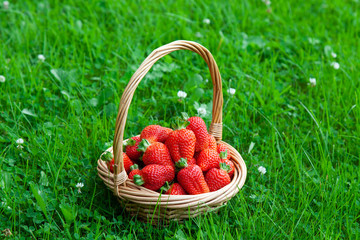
[(181, 144), (217, 178), (108, 157), (127, 163), (192, 179), (212, 142), (182, 163), (198, 126), (155, 153), (173, 189), (155, 133), (134, 169), (231, 170), (208, 159), (222, 148), (131, 146), (154, 176)]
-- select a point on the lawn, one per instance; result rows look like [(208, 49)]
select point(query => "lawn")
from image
[(291, 85)]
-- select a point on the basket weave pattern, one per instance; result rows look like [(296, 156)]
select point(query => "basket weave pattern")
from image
[(148, 204)]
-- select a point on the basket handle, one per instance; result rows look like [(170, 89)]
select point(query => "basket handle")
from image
[(216, 123)]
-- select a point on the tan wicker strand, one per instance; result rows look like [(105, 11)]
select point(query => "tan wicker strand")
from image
[(150, 205)]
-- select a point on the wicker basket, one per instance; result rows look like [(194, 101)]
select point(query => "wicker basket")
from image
[(149, 205)]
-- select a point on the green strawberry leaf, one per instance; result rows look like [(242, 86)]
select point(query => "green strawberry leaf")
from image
[(143, 145), (138, 180), (107, 156), (135, 166)]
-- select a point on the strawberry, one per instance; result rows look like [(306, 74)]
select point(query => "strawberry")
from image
[(196, 155), (110, 162), (131, 146), (175, 189), (231, 169), (127, 163), (134, 169), (154, 176), (192, 161), (108, 157), (192, 179), (208, 159), (217, 178), (198, 126), (155, 153), (183, 163), (223, 148), (155, 133), (181, 144), (212, 142)]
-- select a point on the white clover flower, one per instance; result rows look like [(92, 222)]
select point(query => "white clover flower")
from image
[(262, 170), (20, 141), (252, 196), (201, 111), (231, 91), (2, 79), (6, 4), (312, 82), (79, 186), (267, 3), (206, 21), (181, 94), (335, 65), (41, 58), (198, 35), (333, 55)]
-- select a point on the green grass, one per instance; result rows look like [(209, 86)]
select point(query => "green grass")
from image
[(308, 138)]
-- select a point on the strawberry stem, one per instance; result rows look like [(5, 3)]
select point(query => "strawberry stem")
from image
[(130, 142), (135, 166), (182, 163), (143, 145), (223, 155), (166, 187), (138, 180), (225, 167), (107, 156)]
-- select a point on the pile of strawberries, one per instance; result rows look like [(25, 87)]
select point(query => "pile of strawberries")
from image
[(177, 162)]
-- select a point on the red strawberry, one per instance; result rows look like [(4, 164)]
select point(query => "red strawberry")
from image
[(175, 189), (183, 163), (181, 144), (223, 148), (154, 176), (131, 147), (212, 142), (231, 165), (134, 169), (155, 133), (208, 159), (192, 161), (127, 163), (217, 178), (155, 153), (198, 126), (110, 162), (192, 180), (196, 155)]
